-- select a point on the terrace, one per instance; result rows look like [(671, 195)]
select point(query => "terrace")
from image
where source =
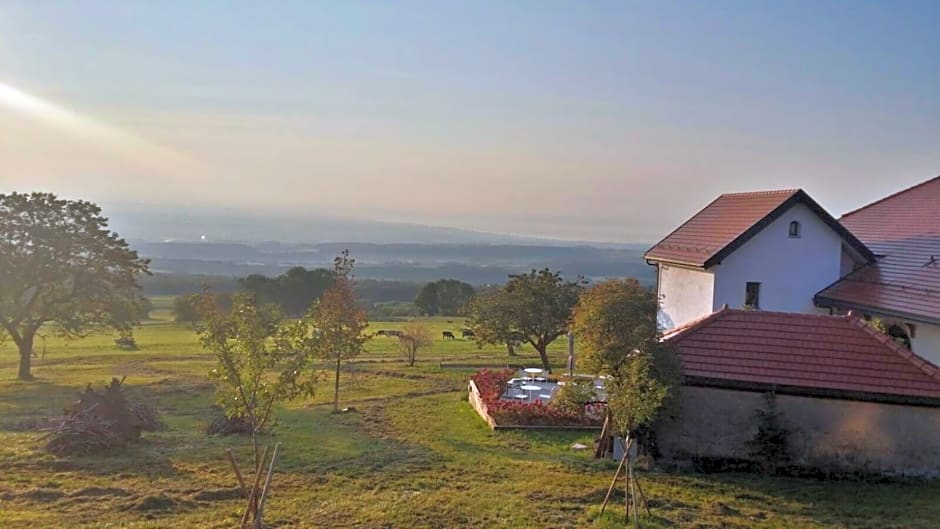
[(531, 385), (527, 399)]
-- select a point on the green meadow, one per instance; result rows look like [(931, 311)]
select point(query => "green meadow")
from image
[(411, 454)]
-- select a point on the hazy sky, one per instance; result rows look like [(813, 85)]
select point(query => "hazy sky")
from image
[(606, 121)]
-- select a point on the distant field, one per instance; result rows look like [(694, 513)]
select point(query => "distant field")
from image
[(413, 455)]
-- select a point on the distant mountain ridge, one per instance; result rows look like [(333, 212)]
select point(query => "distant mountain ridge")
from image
[(474, 263), (147, 223)]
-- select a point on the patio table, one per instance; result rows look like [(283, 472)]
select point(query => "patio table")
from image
[(530, 388)]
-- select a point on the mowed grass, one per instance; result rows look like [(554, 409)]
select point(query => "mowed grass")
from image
[(412, 454)]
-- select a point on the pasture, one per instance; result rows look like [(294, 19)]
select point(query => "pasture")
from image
[(412, 454)]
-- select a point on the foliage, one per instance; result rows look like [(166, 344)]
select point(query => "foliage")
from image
[(490, 316), (62, 267), (338, 323), (391, 310), (188, 308), (615, 322), (895, 332), (445, 297), (258, 363), (534, 307), (492, 384), (574, 395), (125, 340), (771, 443), (415, 335), (293, 291)]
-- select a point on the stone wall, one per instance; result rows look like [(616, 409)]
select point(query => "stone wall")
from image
[(825, 433)]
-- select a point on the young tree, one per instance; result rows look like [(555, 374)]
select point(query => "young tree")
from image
[(535, 306), (415, 335), (259, 363), (62, 267), (338, 322), (615, 323)]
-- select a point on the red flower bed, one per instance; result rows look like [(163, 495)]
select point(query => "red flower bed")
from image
[(492, 384)]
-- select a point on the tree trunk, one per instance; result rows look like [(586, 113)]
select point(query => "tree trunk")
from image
[(543, 354), (336, 387), (25, 345), (510, 349)]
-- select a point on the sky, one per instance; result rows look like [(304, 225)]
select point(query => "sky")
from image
[(597, 121)]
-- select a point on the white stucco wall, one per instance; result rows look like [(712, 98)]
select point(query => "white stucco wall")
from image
[(926, 342), (790, 271), (684, 294)]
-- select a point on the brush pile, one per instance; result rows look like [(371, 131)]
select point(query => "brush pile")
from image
[(100, 421)]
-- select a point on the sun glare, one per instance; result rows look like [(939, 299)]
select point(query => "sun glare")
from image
[(98, 134)]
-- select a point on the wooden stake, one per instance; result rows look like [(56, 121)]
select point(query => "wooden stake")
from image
[(238, 474), (626, 488), (250, 509), (613, 482), (259, 514), (603, 440)]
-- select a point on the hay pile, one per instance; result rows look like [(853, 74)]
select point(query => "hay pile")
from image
[(100, 421)]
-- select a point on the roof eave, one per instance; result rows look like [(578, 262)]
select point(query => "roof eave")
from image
[(830, 302), (804, 391)]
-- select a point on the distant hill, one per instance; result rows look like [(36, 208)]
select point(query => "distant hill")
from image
[(474, 263)]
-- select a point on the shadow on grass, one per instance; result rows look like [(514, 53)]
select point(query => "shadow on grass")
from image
[(845, 503)]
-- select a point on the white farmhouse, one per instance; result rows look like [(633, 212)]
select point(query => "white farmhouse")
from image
[(781, 251)]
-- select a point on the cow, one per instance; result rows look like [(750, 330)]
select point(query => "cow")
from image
[(468, 333), (447, 335)]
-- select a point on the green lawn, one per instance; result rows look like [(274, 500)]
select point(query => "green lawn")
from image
[(413, 454)]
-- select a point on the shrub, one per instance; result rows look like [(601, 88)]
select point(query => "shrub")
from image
[(770, 446), (574, 396)]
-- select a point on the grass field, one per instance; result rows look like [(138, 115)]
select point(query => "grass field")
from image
[(413, 455)]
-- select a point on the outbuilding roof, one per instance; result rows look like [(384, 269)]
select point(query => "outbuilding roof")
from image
[(730, 221), (904, 231), (839, 356)]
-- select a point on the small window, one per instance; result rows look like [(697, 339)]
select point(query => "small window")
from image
[(794, 230), (752, 295)]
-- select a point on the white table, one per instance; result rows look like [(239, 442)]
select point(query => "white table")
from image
[(530, 388), (533, 371)]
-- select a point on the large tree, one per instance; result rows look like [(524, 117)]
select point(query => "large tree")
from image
[(615, 324), (534, 307), (293, 290), (62, 268), (490, 315), (444, 297)]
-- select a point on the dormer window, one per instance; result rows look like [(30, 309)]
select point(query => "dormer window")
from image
[(794, 230)]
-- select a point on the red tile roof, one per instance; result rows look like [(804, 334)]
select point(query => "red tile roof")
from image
[(904, 230), (731, 220), (835, 354)]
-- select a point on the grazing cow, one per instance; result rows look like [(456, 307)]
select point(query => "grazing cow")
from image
[(468, 333), (447, 335)]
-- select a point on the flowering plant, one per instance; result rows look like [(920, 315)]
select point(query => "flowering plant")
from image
[(492, 385)]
